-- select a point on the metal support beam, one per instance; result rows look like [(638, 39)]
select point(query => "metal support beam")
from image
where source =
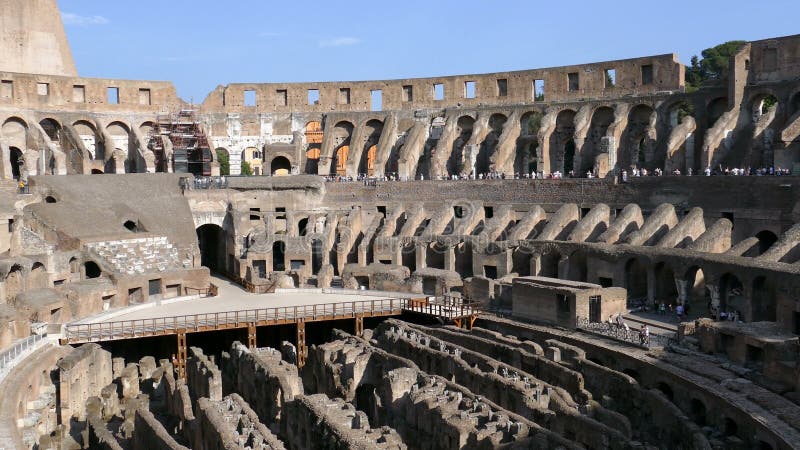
[(302, 350), (180, 361), (251, 336)]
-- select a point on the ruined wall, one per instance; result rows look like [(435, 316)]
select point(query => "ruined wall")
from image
[(82, 374), (231, 423), (32, 38)]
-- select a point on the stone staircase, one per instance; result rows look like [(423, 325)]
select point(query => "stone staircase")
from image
[(139, 256)]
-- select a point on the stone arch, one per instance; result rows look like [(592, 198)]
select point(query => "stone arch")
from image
[(279, 256), (715, 109), (666, 389), (91, 270), (120, 134), (373, 130), (74, 265), (602, 118), (549, 264), (562, 143), (52, 128), (302, 227), (280, 166), (766, 239), (578, 266), (638, 146), (314, 135), (223, 157), (731, 293), (211, 239), (88, 134), (15, 133), (527, 158), (666, 290), (38, 278), (464, 127), (697, 293), (146, 128), (760, 102), (636, 279), (17, 162), (343, 133), (489, 145), (697, 412)]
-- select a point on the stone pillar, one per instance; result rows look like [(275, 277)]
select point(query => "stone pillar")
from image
[(536, 264), (450, 258), (715, 295), (651, 285), (683, 290), (421, 255)]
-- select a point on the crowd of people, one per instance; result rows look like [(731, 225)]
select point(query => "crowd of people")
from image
[(618, 324), (624, 176)]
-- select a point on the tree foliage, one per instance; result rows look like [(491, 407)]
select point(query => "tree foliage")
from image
[(224, 162), (713, 66), (246, 169)]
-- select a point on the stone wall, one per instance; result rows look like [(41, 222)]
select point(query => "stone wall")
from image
[(82, 374)]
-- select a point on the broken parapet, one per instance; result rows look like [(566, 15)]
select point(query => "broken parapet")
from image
[(150, 434), (202, 376), (98, 434), (83, 373), (445, 418), (231, 423), (317, 421), (262, 378)]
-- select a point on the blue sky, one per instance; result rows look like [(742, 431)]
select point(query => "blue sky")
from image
[(199, 44)]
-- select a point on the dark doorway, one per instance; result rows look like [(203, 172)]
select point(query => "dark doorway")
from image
[(279, 256), (16, 162), (211, 239)]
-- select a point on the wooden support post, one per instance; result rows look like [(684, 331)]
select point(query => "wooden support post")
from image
[(180, 361), (471, 321), (251, 336), (302, 350), (359, 325), (457, 321)]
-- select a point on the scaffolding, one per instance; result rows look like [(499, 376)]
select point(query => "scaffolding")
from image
[(190, 150)]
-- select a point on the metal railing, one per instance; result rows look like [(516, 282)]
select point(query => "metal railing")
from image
[(126, 329), (19, 351), (630, 335)]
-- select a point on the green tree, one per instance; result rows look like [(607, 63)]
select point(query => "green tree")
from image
[(713, 66), (224, 162), (246, 169)]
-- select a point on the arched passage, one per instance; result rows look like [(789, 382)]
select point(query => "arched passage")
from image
[(698, 296), (88, 134), (52, 129), (602, 118), (549, 264), (697, 412), (211, 240), (314, 135), (17, 161), (526, 158), (92, 270), (638, 140), (561, 142), (13, 282), (731, 293), (489, 145), (279, 256), (666, 290), (763, 301), (635, 279), (715, 109), (464, 126), (765, 240), (343, 132), (280, 166), (38, 278), (224, 160), (373, 130)]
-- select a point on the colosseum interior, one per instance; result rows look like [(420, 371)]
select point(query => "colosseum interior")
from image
[(475, 252)]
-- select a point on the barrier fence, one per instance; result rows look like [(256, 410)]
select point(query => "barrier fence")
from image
[(630, 335)]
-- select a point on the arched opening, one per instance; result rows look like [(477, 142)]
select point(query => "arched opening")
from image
[(731, 293), (763, 301), (50, 199), (666, 390), (569, 157), (549, 264), (52, 129), (343, 131), (489, 144), (314, 135), (435, 256), (368, 401), (761, 105), (602, 118), (302, 227), (131, 226), (635, 280), (715, 109), (526, 159), (280, 166), (13, 282), (578, 270), (92, 270), (224, 160), (372, 130), (697, 412), (211, 240), (561, 142), (765, 240), (698, 297), (730, 427), (74, 265), (17, 161), (464, 126), (666, 289), (279, 256), (88, 134), (638, 135), (317, 254), (38, 278), (312, 160), (794, 104), (120, 135), (97, 172)]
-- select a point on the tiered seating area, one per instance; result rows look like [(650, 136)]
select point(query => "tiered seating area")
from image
[(138, 256)]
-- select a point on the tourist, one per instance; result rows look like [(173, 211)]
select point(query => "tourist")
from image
[(679, 311)]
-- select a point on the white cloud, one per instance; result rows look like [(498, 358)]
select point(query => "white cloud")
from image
[(82, 21), (339, 42)]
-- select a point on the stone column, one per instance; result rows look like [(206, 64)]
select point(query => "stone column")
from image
[(450, 258)]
